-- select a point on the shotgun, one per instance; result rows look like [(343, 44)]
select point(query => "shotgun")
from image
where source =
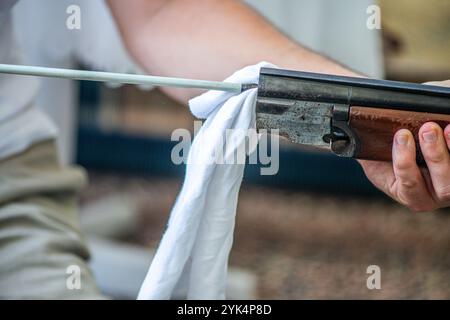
[(351, 117)]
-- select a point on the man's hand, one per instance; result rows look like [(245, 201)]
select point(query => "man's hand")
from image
[(419, 189)]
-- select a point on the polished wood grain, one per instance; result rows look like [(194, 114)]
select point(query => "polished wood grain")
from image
[(375, 129)]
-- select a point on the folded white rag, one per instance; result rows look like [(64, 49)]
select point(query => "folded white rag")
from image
[(193, 253)]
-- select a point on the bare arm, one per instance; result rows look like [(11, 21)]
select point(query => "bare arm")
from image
[(207, 39)]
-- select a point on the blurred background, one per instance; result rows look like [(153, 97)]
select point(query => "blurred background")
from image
[(308, 232)]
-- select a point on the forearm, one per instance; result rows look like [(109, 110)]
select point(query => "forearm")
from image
[(208, 39)]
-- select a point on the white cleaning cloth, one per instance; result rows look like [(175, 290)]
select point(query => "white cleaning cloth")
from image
[(194, 249)]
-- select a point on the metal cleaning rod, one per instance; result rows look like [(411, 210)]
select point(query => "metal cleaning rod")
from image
[(119, 78)]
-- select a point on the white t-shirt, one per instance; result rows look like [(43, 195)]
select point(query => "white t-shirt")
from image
[(21, 124)]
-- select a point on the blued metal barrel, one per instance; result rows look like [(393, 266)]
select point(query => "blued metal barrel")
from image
[(295, 85)]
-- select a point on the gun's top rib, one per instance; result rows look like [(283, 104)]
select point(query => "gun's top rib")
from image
[(314, 87), (119, 78)]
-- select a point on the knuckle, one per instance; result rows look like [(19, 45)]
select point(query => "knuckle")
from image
[(403, 163), (408, 184), (443, 193), (434, 155)]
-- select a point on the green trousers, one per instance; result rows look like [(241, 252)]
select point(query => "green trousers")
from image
[(42, 252)]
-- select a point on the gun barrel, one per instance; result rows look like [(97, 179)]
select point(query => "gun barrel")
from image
[(305, 86)]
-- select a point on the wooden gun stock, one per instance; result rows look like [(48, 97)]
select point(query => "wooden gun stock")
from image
[(374, 130)]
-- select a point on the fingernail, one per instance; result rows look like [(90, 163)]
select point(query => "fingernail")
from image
[(429, 136), (448, 135), (402, 139)]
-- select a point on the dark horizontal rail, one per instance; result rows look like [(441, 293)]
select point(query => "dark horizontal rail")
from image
[(297, 85)]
